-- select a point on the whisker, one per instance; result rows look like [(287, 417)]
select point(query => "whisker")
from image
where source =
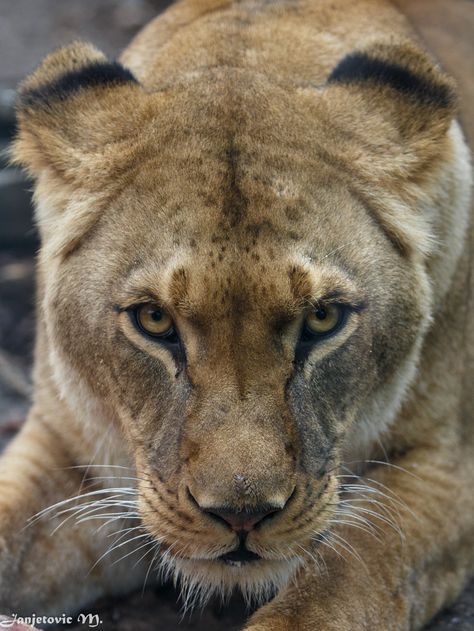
[(395, 466), (150, 566), (106, 515), (147, 544), (394, 500), (84, 509), (95, 465), (342, 522), (123, 490), (329, 545), (116, 547), (349, 548)]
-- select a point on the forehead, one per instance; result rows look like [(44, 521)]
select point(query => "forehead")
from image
[(218, 163), (290, 245), (239, 219), (284, 226), (202, 264), (235, 198)]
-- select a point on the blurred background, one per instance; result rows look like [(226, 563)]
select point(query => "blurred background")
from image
[(29, 29)]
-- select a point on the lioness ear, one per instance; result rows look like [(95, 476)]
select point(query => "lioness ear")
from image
[(67, 106), (398, 99), (75, 115)]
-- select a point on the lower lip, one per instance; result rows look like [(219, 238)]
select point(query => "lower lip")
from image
[(236, 564), (239, 558)]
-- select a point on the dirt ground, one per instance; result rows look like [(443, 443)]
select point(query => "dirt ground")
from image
[(28, 30)]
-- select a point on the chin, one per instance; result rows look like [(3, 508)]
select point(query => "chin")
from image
[(201, 579)]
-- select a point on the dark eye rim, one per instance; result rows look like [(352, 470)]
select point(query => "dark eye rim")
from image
[(169, 337), (308, 336)]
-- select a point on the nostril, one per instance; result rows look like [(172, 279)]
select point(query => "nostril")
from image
[(242, 521)]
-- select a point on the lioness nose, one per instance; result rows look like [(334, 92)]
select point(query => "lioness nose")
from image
[(245, 520)]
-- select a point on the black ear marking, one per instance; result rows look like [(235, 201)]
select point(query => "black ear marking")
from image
[(360, 67), (97, 73)]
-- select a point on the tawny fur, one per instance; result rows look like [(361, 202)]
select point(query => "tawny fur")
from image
[(240, 175)]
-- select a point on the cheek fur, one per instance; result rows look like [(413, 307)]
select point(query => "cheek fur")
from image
[(136, 386), (323, 404), (155, 403)]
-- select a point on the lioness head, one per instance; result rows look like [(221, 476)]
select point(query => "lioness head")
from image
[(240, 274)]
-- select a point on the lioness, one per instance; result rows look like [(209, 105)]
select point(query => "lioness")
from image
[(255, 343)]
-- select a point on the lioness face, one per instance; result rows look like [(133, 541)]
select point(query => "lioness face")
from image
[(242, 310), (221, 307)]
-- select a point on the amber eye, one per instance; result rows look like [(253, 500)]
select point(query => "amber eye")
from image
[(154, 320), (324, 319)]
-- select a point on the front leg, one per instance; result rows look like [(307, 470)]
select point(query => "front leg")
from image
[(402, 581), (50, 565)]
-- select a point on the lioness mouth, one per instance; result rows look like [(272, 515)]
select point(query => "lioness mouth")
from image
[(240, 555)]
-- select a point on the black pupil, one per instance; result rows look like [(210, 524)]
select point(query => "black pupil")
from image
[(157, 315), (321, 314)]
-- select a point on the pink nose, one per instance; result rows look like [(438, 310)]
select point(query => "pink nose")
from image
[(243, 521)]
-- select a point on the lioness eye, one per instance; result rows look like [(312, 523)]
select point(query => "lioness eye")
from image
[(154, 320), (324, 319)]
